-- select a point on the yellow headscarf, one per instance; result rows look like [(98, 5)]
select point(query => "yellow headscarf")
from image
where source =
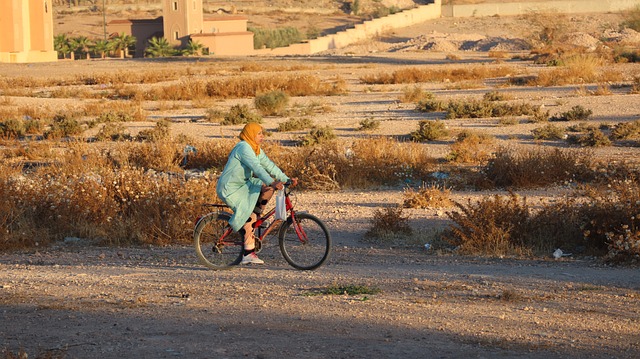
[(249, 133)]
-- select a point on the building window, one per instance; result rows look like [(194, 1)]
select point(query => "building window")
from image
[(46, 8), (175, 6), (176, 36)]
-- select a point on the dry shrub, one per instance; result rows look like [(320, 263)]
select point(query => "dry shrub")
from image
[(415, 94), (88, 195), (159, 132), (310, 108), (364, 163), (496, 54), (118, 110), (293, 85), (63, 125), (113, 132), (211, 155), (576, 69), (429, 131), (576, 113), (496, 96), (482, 109), (471, 147), (493, 226), (271, 103), (295, 124), (369, 124), (432, 196), (612, 214), (384, 161), (416, 75), (597, 221), (389, 224), (548, 132), (626, 131), (509, 168), (184, 90), (318, 135), (240, 114), (592, 138)]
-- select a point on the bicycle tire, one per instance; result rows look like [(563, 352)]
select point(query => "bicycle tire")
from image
[(212, 252), (308, 254)]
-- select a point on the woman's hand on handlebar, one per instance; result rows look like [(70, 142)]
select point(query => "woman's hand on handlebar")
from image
[(277, 185), (292, 182)]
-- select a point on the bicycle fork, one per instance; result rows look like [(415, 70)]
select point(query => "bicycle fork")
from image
[(302, 235)]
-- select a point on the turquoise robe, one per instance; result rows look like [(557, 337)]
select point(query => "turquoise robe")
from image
[(241, 180)]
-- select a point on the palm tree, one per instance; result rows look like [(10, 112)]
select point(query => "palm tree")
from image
[(159, 47), (102, 47), (193, 48), (122, 43), (83, 44), (61, 45)]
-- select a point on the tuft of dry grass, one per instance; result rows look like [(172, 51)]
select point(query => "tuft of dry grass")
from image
[(493, 226), (417, 75), (389, 224), (432, 196), (510, 168), (471, 147)]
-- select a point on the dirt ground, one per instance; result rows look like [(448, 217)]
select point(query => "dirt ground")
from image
[(77, 300)]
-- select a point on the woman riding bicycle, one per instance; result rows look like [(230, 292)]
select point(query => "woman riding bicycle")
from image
[(248, 181)]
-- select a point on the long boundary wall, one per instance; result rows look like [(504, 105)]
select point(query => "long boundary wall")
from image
[(517, 8), (424, 13), (361, 31)]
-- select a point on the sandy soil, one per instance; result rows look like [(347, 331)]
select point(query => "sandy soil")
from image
[(76, 300)]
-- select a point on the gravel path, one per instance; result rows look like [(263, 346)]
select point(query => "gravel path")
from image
[(80, 301)]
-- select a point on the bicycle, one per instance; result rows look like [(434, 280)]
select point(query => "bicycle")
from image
[(304, 241)]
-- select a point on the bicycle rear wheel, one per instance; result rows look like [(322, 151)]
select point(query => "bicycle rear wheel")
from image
[(217, 245), (305, 244)]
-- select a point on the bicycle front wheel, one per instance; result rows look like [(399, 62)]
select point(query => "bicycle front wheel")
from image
[(306, 243), (217, 245)]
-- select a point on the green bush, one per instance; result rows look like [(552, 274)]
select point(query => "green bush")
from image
[(272, 38), (271, 103), (576, 113), (318, 135), (369, 124), (295, 124), (12, 128), (593, 138), (159, 132), (240, 114), (113, 132), (626, 130), (63, 126), (496, 96), (548, 132), (429, 131), (481, 109), (431, 105)]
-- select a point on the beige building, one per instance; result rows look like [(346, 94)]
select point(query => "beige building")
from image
[(183, 20), (27, 31)]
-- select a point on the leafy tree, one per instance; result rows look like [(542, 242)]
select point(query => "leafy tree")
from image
[(61, 45), (102, 47), (193, 48), (83, 45), (122, 43), (159, 47)]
